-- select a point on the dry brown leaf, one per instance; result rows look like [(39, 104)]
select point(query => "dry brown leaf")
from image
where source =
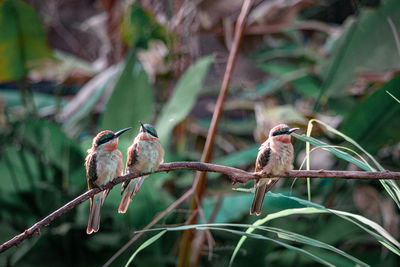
[(368, 201)]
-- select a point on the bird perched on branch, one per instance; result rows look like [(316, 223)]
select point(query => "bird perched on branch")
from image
[(144, 155), (275, 156), (103, 164)]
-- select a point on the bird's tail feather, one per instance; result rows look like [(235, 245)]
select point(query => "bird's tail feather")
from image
[(139, 184), (126, 198), (131, 190), (96, 203), (262, 189)]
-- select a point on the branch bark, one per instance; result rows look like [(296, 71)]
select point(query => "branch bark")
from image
[(236, 175)]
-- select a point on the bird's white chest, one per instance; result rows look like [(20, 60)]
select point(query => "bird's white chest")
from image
[(107, 165), (150, 156), (281, 158)]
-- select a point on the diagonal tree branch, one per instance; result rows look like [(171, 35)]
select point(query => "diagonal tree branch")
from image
[(236, 175)]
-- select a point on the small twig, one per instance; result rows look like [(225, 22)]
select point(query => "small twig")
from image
[(236, 175), (210, 239)]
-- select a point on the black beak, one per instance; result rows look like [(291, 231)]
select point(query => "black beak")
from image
[(141, 125), (292, 130), (121, 132)]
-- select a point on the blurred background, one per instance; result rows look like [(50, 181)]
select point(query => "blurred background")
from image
[(69, 69)]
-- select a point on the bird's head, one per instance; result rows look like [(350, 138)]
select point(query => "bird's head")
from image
[(107, 139), (148, 131), (281, 133)]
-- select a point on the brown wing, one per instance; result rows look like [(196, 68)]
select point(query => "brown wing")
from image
[(91, 170), (120, 166), (263, 158), (132, 156)]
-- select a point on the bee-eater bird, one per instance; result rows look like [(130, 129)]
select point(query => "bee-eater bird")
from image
[(144, 155), (103, 164), (275, 156)]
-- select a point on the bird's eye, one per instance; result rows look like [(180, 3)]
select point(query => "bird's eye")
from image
[(285, 130)]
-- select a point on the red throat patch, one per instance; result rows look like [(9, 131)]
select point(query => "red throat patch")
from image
[(110, 146), (283, 138)]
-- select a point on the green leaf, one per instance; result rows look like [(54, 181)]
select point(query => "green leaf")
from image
[(13, 99), (132, 99), (94, 89), (307, 86), (145, 245), (239, 158), (374, 122), (353, 53), (283, 75), (49, 144), (183, 98), (269, 86), (139, 27), (22, 39), (278, 69), (241, 202)]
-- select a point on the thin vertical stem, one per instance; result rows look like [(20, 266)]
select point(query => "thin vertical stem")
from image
[(186, 241)]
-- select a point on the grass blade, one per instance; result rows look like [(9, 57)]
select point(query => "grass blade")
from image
[(145, 245), (378, 232), (283, 234), (257, 236), (333, 150), (217, 227), (390, 186), (395, 98)]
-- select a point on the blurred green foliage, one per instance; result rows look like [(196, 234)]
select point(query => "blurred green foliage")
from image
[(183, 99), (139, 27), (360, 48), (22, 39), (378, 126), (132, 99)]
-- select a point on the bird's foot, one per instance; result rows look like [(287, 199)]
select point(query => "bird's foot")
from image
[(234, 179)]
